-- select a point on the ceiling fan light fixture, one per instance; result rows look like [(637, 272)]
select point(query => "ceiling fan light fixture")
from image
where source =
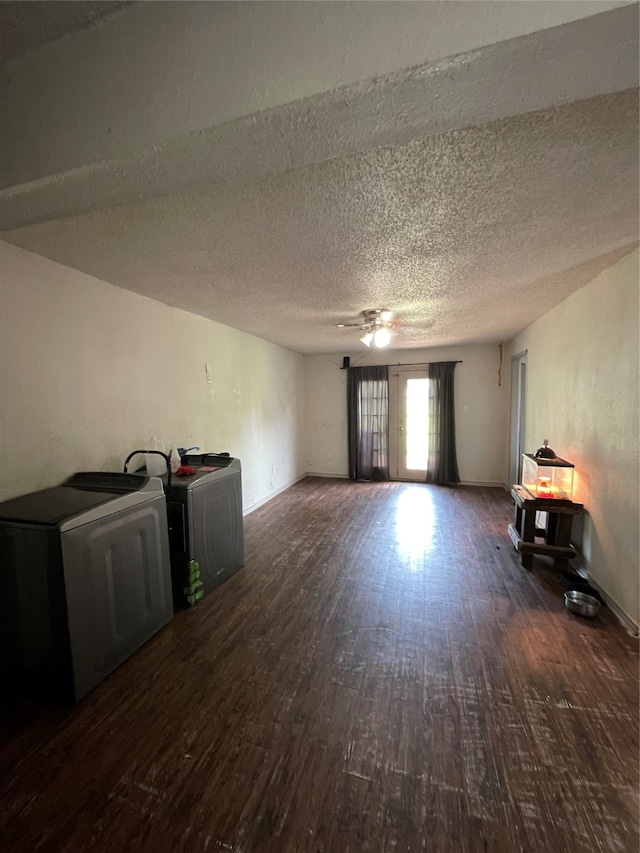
[(377, 327), (381, 337)]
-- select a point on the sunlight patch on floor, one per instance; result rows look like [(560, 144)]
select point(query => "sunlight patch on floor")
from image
[(415, 526)]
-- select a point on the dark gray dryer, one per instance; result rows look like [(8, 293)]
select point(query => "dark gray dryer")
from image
[(205, 523), (85, 578)]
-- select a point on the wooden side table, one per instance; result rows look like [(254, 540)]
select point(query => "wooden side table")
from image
[(555, 536)]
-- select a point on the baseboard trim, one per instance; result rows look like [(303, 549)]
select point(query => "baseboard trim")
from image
[(248, 510), (331, 475), (625, 620), (334, 476)]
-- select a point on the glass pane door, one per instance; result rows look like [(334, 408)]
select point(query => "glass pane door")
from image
[(413, 425)]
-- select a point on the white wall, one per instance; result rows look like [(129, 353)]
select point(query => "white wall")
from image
[(582, 394), (480, 435), (90, 371)]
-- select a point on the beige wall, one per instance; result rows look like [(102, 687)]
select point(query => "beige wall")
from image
[(90, 371), (480, 435), (582, 394)]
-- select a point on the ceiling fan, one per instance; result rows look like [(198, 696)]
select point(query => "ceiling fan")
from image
[(376, 325)]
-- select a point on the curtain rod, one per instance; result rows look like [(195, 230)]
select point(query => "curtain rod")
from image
[(417, 363), (346, 363)]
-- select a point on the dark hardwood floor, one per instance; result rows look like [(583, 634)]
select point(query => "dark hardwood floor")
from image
[(383, 675)]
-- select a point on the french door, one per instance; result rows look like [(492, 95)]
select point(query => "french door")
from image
[(408, 423)]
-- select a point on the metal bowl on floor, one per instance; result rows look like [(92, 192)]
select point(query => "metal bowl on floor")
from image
[(581, 603)]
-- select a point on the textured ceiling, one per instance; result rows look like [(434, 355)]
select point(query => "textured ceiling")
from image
[(438, 195), (468, 236), (25, 25)]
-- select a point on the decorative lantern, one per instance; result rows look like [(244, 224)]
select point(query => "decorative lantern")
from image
[(546, 476)]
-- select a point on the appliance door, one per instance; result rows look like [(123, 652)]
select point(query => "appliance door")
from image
[(118, 588)]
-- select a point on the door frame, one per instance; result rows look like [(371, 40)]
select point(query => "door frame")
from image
[(517, 420)]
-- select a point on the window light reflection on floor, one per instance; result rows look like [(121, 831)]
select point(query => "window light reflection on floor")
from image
[(415, 526)]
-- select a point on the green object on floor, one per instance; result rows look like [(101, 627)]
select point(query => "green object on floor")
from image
[(194, 591)]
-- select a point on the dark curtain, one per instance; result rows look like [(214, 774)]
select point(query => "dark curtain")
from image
[(442, 467), (368, 422)]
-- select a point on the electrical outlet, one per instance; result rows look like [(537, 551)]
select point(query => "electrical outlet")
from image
[(329, 455), (309, 461), (465, 408), (273, 469), (207, 371)]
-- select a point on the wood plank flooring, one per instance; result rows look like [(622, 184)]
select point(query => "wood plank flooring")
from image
[(383, 675)]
